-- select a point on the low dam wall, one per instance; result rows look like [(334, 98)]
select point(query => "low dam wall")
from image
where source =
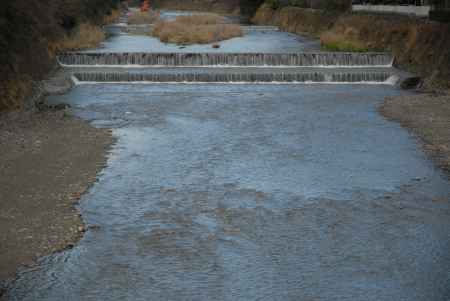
[(227, 59), (235, 77)]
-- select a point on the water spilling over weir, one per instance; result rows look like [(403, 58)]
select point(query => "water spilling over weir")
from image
[(307, 59), (318, 67), (235, 77)]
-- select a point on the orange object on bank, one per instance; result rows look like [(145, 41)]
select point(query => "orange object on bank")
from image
[(145, 6)]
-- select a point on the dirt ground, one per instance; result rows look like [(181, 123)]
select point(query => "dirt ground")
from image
[(428, 116), (47, 161)]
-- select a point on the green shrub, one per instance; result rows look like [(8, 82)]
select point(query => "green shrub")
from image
[(332, 41), (273, 4), (298, 3)]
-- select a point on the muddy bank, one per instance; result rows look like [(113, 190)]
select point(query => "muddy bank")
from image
[(418, 45), (48, 160), (428, 116)]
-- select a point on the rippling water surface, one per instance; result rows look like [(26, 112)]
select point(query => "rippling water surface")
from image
[(252, 192), (255, 41)]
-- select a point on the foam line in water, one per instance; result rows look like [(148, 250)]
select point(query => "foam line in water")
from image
[(199, 76), (313, 77), (221, 66), (387, 83)]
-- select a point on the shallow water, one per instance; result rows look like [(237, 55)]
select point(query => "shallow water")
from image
[(253, 192), (253, 41)]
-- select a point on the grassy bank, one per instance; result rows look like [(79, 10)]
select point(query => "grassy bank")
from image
[(220, 6), (84, 36), (296, 20), (338, 42), (418, 45), (31, 32), (197, 29), (139, 17)]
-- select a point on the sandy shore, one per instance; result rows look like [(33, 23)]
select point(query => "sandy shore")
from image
[(428, 116), (47, 161)]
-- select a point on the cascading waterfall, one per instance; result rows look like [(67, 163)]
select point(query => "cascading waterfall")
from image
[(230, 67), (314, 76), (307, 59)]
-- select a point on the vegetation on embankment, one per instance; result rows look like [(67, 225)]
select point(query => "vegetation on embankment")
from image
[(418, 45), (138, 17), (221, 6), (31, 32), (86, 35), (242, 7), (339, 42), (196, 29)]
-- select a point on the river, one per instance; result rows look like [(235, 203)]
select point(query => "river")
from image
[(251, 192)]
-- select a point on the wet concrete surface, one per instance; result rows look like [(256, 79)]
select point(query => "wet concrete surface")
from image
[(387, 76), (253, 192)]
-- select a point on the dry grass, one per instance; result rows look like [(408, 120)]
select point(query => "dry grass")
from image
[(85, 36), (113, 17), (341, 42), (142, 18), (201, 19), (13, 93), (198, 29)]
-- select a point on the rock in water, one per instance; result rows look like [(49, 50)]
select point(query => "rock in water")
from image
[(411, 83)]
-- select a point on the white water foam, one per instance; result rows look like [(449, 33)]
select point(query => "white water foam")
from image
[(388, 82), (225, 66)]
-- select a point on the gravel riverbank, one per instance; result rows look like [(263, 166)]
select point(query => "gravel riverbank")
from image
[(48, 160), (428, 116)]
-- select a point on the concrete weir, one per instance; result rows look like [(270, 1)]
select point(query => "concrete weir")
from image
[(236, 76), (306, 59), (318, 67)]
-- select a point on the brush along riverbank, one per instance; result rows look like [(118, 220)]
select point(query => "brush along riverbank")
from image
[(48, 158), (418, 46)]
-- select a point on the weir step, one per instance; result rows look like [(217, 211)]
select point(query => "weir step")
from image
[(306, 59), (248, 76)]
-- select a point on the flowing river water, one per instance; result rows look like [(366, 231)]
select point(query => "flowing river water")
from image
[(252, 192)]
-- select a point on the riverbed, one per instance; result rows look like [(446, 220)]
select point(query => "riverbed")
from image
[(252, 192)]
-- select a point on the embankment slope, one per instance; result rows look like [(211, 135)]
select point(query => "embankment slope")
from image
[(30, 34), (48, 159), (419, 46)]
